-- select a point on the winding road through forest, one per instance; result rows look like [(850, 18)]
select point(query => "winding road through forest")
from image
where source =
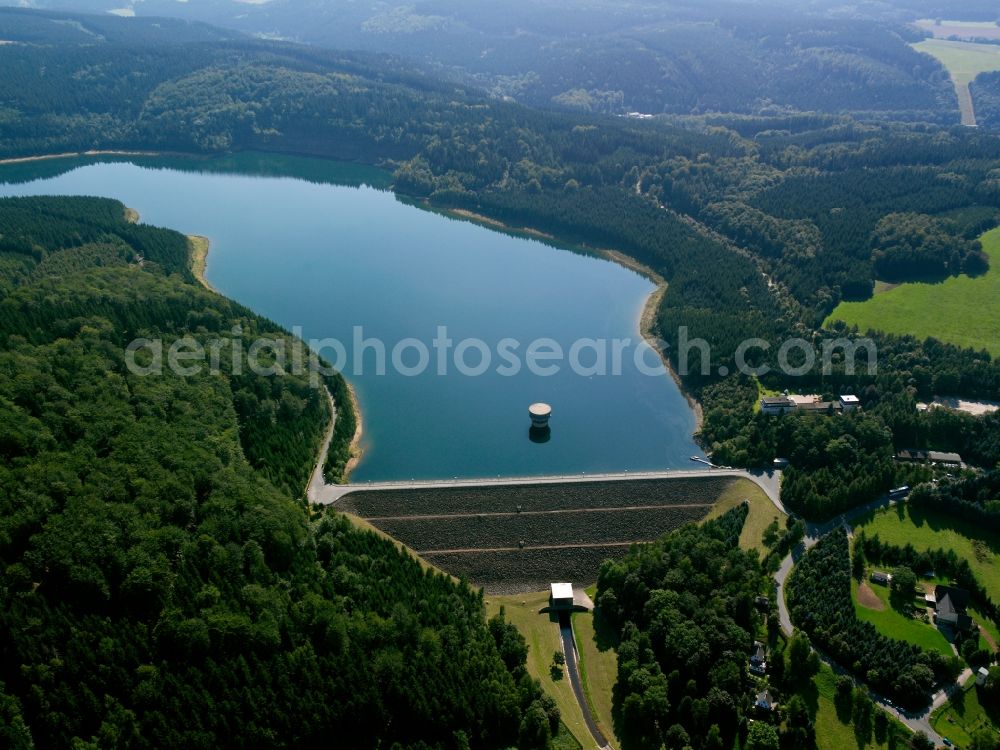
[(319, 492), (916, 721)]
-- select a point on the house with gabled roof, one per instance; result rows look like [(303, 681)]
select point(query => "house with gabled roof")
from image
[(951, 604)]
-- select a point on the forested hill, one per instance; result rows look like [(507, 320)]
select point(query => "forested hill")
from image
[(45, 27), (761, 225), (160, 583), (679, 57)]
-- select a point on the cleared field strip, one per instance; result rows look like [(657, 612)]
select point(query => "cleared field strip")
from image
[(960, 29), (519, 538), (537, 512), (964, 61)]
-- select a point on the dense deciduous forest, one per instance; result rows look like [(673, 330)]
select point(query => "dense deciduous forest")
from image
[(161, 582), (986, 93), (684, 610)]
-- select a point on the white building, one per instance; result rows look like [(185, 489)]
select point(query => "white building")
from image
[(850, 402), (561, 595)]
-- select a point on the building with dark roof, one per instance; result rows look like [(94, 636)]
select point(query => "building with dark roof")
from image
[(764, 702), (917, 456), (758, 658), (951, 603), (911, 456), (776, 404)]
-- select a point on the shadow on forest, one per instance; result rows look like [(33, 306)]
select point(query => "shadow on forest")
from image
[(605, 635)]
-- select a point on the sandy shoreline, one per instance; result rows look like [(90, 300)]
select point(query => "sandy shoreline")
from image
[(356, 451), (198, 249), (75, 154), (495, 223), (648, 319)]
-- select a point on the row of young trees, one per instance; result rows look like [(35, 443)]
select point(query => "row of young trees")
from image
[(819, 597)]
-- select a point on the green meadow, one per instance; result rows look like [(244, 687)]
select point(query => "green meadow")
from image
[(960, 310), (963, 715), (927, 530), (964, 60), (894, 624)]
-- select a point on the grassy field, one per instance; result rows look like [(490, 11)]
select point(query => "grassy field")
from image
[(834, 732), (965, 29), (762, 512), (893, 624), (964, 61), (962, 716), (542, 634), (960, 310), (926, 530), (598, 668)]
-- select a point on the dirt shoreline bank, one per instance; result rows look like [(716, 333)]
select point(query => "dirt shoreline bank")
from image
[(356, 451), (76, 154), (198, 249)]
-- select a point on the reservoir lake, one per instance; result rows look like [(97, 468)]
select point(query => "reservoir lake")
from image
[(325, 248)]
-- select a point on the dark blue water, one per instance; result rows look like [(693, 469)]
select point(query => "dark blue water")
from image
[(324, 247)]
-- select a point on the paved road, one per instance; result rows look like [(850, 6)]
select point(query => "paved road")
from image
[(317, 482), (815, 532), (781, 578), (327, 494), (319, 492), (569, 650), (918, 722)]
